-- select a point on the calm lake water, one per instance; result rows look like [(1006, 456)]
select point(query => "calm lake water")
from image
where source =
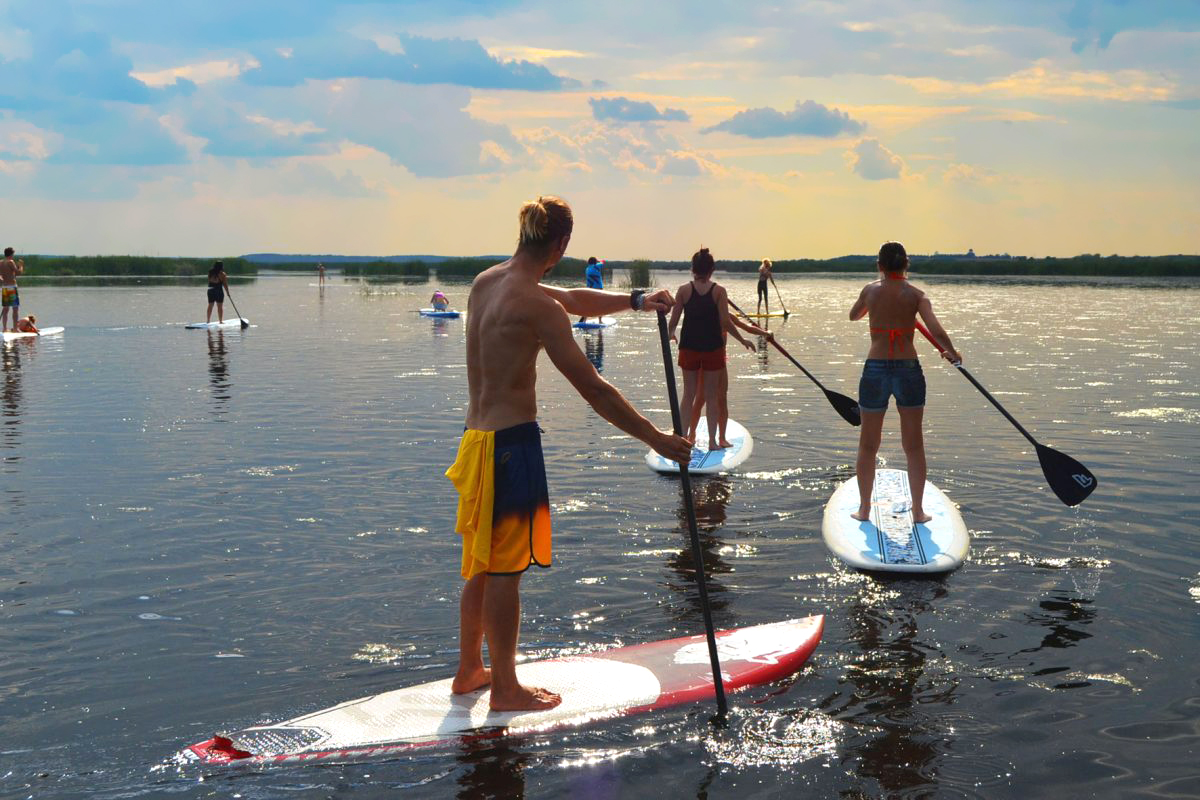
[(202, 531)]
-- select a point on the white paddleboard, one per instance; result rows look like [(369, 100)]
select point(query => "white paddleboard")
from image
[(594, 686), (891, 542), (229, 323), (9, 337), (705, 461)]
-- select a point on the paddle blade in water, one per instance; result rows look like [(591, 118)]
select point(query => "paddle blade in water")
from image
[(845, 406), (1069, 479)]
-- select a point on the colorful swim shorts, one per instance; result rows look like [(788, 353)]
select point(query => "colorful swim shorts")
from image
[(9, 297), (503, 502)]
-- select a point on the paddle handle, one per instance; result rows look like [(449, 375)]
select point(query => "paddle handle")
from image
[(958, 365), (697, 551)]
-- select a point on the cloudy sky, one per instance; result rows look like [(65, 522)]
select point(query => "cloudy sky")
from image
[(783, 129)]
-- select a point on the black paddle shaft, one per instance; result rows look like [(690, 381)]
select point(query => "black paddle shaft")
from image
[(235, 310), (697, 552)]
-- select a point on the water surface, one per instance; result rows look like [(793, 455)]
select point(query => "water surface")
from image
[(207, 530)]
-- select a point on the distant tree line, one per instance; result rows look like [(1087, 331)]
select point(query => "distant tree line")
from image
[(131, 265)]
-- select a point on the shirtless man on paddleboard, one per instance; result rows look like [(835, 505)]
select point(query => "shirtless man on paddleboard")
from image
[(504, 506), (9, 270)]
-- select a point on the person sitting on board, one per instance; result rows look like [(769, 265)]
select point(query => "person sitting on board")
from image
[(9, 297), (26, 324), (594, 276), (439, 301), (764, 275), (218, 285), (704, 305), (892, 370), (503, 507), (723, 391)]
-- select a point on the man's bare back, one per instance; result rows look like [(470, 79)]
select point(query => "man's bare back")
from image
[(503, 346)]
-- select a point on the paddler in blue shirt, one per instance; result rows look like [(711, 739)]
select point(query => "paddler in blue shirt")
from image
[(594, 275)]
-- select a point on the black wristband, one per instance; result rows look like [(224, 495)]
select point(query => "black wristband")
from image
[(636, 299)]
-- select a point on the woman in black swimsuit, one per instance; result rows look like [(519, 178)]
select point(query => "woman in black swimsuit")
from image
[(218, 284)]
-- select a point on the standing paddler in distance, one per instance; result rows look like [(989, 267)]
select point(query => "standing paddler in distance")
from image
[(10, 268), (503, 506), (594, 276), (764, 275), (893, 370), (218, 285)]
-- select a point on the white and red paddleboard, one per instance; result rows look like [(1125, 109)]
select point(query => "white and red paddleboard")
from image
[(601, 685)]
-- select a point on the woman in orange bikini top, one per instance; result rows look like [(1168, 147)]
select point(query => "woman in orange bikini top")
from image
[(892, 370)]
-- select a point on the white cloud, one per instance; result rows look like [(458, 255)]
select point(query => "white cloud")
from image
[(871, 160)]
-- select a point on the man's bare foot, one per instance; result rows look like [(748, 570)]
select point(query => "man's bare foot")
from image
[(524, 699), (471, 680), (725, 444), (861, 515), (716, 446), (920, 516)]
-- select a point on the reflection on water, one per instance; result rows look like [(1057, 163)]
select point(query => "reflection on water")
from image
[(593, 348), (1065, 618), (10, 397), (218, 372), (494, 769), (710, 497), (888, 686)]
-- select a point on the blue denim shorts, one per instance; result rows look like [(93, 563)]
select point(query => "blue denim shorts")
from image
[(883, 378)]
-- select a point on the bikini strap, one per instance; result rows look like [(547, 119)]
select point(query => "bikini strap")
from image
[(894, 335)]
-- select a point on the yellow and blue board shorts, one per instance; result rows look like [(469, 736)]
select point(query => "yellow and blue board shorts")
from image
[(503, 501), (9, 297)]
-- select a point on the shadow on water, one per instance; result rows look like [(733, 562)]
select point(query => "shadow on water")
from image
[(593, 348), (711, 498), (218, 372), (886, 686)]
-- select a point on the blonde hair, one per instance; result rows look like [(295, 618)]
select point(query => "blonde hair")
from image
[(544, 221), (767, 263), (32, 319)]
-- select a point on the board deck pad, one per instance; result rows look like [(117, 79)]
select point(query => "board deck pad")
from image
[(10, 336), (229, 323), (705, 461), (594, 323), (891, 541), (594, 686)]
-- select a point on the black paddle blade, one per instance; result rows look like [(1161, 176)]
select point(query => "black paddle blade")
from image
[(1069, 479), (845, 406), (245, 324)]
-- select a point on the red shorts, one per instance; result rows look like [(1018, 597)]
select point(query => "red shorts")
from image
[(707, 360)]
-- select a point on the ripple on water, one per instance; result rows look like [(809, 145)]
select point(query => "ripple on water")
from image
[(1162, 414), (757, 737)]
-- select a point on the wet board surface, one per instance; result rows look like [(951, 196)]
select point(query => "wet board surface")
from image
[(595, 686), (229, 323), (595, 323), (429, 312), (890, 541), (10, 337), (708, 462)]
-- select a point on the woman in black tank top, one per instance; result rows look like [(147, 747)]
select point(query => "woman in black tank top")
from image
[(218, 284), (705, 309)]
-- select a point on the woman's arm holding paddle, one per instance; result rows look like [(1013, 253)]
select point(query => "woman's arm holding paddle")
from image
[(859, 309), (554, 331), (940, 337), (727, 321), (684, 293)]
